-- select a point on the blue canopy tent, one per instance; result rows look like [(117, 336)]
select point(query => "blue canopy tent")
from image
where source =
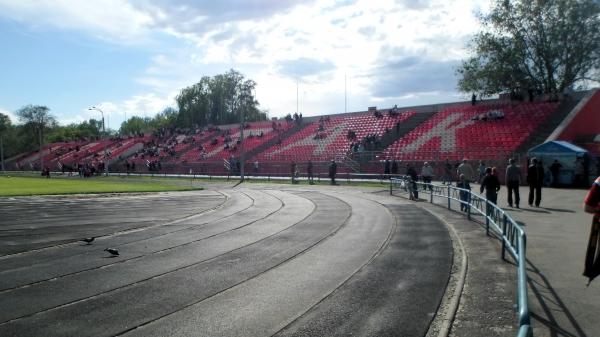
[(566, 154)]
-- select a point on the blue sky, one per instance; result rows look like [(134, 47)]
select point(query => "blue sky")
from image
[(133, 57)]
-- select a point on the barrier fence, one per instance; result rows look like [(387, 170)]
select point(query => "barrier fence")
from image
[(512, 235)]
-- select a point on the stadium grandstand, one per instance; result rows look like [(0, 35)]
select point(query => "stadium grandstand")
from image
[(491, 130)]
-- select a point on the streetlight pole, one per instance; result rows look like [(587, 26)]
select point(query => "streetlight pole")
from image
[(242, 144), (105, 159)]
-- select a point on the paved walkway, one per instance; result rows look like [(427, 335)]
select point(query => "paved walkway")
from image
[(561, 303), (557, 233)]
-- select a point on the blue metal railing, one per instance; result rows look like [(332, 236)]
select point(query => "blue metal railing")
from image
[(512, 235)]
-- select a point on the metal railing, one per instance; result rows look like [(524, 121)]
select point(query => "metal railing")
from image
[(512, 235)]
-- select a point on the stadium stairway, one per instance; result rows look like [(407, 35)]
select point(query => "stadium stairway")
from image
[(423, 114), (406, 127)]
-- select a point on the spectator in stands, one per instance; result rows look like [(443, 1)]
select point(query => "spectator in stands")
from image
[(513, 180), (332, 171), (481, 170), (447, 177), (555, 170), (394, 167), (465, 196), (310, 172), (466, 169), (535, 179), (427, 174)]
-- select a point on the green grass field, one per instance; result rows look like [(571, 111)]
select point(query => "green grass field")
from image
[(20, 186)]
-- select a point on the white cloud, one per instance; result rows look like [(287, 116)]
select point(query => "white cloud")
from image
[(13, 118), (114, 20), (351, 39), (276, 42)]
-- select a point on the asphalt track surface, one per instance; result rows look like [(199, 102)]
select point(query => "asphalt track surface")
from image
[(236, 262)]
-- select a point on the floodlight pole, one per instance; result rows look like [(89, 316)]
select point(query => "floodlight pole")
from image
[(242, 144), (105, 159)]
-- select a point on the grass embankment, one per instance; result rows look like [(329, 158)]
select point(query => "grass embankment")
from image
[(20, 186)]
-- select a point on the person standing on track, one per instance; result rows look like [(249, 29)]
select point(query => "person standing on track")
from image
[(426, 174), (513, 180), (310, 172), (491, 185), (535, 179), (466, 169), (332, 171)]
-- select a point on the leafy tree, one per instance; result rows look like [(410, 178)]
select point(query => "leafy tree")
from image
[(546, 46), (218, 100), (77, 131), (4, 125), (136, 125), (37, 118)]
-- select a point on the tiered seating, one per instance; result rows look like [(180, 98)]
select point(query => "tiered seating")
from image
[(56, 150), (218, 152), (51, 151), (120, 147), (332, 141), (91, 153), (458, 132)]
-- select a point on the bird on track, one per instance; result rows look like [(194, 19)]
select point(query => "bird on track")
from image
[(89, 240), (112, 251)]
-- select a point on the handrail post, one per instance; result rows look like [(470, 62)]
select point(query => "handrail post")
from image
[(469, 205), (504, 220), (431, 193), (487, 217), (448, 196)]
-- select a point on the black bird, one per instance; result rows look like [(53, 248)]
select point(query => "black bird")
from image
[(112, 251), (89, 240)]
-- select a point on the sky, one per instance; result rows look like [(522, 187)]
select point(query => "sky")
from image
[(132, 57)]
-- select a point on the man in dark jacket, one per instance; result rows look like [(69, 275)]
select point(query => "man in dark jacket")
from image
[(332, 171), (491, 185), (386, 167), (535, 179), (394, 167)]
